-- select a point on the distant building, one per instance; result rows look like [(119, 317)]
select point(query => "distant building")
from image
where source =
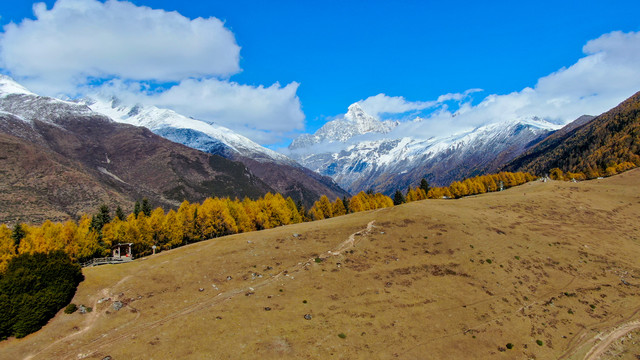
[(122, 251)]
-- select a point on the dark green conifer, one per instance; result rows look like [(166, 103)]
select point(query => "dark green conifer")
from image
[(398, 198), (146, 208)]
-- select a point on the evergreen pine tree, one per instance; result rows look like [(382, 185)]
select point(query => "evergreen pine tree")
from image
[(136, 209), (398, 198), (146, 208), (18, 234), (99, 220), (424, 185), (120, 214), (345, 202)]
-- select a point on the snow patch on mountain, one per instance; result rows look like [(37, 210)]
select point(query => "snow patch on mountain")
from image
[(15, 99), (191, 132), (8, 86)]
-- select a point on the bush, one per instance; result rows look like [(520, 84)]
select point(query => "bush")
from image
[(539, 342), (342, 336), (509, 346), (33, 289), (318, 260), (488, 261), (70, 309)]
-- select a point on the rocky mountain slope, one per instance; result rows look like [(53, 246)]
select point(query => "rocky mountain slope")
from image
[(360, 152), (593, 148), (545, 270), (283, 174), (60, 159)]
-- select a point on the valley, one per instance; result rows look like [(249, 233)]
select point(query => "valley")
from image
[(543, 270)]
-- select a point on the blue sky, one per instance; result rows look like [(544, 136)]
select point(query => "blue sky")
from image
[(335, 53)]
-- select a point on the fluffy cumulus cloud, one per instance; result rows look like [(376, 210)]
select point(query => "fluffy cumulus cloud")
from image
[(604, 77), (381, 104), (88, 43)]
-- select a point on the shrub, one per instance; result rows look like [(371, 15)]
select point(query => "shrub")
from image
[(342, 336), (70, 309), (33, 289), (539, 342), (488, 261), (318, 260), (509, 346)]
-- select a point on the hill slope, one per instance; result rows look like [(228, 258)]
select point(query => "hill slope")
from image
[(60, 159), (555, 262), (281, 173), (592, 148)]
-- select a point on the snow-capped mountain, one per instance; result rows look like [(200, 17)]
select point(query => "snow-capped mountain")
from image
[(355, 122), (18, 101), (60, 159), (386, 163), (26, 112), (285, 175), (194, 133)]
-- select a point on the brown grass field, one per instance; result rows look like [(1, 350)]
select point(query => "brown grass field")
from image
[(557, 262)]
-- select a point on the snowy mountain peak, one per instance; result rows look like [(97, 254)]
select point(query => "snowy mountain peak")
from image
[(8, 86), (356, 112), (354, 123)]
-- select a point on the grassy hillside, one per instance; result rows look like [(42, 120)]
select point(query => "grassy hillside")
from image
[(553, 263), (595, 148)]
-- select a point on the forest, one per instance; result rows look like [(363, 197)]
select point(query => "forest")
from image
[(93, 236)]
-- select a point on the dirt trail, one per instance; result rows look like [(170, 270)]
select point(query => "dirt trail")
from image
[(89, 321), (598, 349), (101, 341)]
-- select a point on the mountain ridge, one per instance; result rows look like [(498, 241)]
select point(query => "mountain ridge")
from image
[(593, 148), (93, 160), (392, 161)]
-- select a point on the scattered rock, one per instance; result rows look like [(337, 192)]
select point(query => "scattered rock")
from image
[(267, 308), (296, 235), (229, 278), (107, 358), (624, 282), (249, 293), (501, 349), (103, 300), (249, 242), (218, 317), (307, 316), (201, 289), (82, 309), (117, 305)]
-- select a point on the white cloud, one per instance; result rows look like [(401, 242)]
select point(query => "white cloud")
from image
[(123, 48), (80, 39), (383, 104), (607, 75), (264, 114), (604, 77)]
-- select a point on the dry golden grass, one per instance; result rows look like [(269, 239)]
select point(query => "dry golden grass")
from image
[(410, 282)]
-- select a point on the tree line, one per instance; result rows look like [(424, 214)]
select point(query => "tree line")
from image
[(93, 236)]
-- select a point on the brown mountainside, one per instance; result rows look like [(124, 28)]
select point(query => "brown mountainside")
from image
[(70, 164), (593, 148)]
